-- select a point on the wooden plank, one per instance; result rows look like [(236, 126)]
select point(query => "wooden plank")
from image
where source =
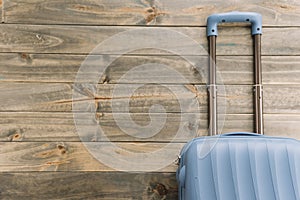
[(126, 69), (281, 70), (121, 98), (88, 185), (236, 99), (23, 67), (60, 127), (1, 11), (83, 39), (283, 125), (130, 12), (272, 40), (74, 156), (26, 96), (282, 99)]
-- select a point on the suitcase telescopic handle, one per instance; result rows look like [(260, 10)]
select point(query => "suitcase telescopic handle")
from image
[(212, 33), (254, 18)]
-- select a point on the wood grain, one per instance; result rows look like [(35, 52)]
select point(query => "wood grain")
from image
[(57, 97), (283, 97), (130, 12), (60, 127), (88, 185), (281, 70), (74, 156), (1, 11), (283, 125), (83, 39), (126, 69), (63, 68)]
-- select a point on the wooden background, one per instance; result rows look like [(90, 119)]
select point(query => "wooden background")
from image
[(42, 45)]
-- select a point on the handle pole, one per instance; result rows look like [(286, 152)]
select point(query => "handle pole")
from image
[(212, 88), (258, 88), (212, 32)]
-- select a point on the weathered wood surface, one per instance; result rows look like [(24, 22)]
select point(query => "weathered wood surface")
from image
[(280, 70), (88, 185), (43, 43), (57, 97), (74, 156), (284, 97), (60, 127), (1, 9), (174, 98), (283, 125), (130, 12), (23, 67), (83, 39)]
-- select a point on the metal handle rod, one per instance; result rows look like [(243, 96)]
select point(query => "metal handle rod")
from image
[(258, 88), (212, 87)]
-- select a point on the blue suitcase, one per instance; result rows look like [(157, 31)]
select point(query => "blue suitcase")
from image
[(238, 166)]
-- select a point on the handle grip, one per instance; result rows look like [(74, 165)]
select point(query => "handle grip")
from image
[(254, 18), (240, 134)]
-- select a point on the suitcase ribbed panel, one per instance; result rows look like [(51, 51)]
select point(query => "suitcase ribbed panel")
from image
[(242, 173), (246, 168), (262, 178), (222, 173), (280, 168), (206, 184)]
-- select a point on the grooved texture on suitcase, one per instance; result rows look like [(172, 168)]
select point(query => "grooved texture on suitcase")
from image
[(241, 167)]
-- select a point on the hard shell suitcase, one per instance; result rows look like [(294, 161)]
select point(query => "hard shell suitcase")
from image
[(238, 166)]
